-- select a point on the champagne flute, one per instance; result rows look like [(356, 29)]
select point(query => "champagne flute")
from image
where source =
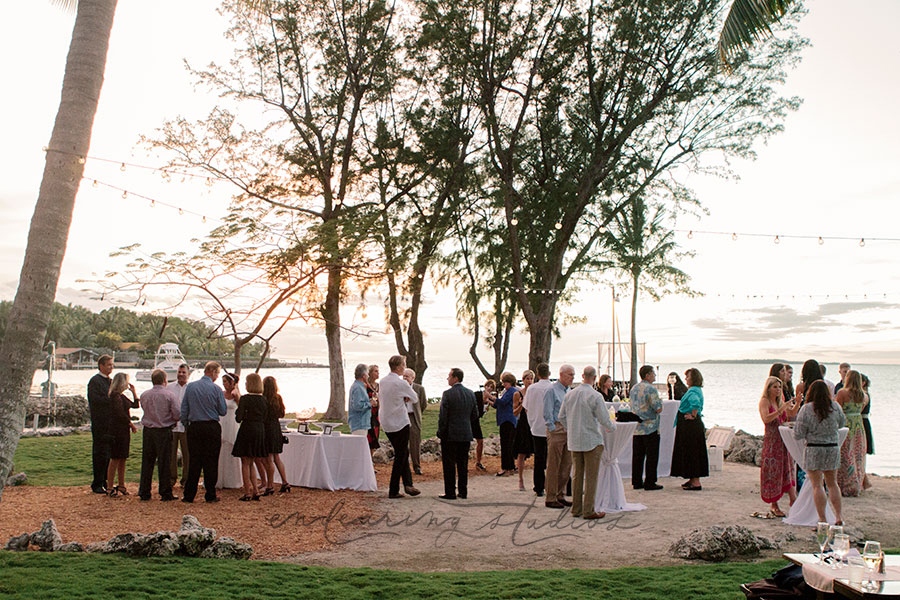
[(872, 558), (841, 546), (833, 531), (822, 539)]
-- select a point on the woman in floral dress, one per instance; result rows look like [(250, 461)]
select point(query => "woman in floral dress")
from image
[(776, 472), (852, 399)]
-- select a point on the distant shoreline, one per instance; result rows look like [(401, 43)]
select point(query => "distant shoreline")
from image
[(748, 361)]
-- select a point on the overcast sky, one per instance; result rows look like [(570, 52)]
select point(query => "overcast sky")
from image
[(833, 172)]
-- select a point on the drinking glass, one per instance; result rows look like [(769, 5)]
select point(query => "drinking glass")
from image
[(841, 546), (872, 557), (856, 566), (822, 539)]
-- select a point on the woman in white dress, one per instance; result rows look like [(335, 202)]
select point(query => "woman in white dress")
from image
[(229, 466)]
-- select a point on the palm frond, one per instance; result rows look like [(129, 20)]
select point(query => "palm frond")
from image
[(748, 22), (66, 5)]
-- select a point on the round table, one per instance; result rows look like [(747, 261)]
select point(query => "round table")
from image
[(666, 438), (328, 462), (803, 511), (610, 497)]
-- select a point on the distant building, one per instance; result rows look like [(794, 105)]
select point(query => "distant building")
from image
[(75, 358)]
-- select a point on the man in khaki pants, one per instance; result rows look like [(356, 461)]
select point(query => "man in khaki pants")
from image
[(559, 460), (582, 414)]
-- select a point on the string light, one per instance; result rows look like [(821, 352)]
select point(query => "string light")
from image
[(208, 182), (80, 160), (821, 241), (122, 168), (777, 240), (558, 225), (514, 221), (690, 235), (95, 184), (180, 211), (124, 195), (733, 237), (381, 206), (862, 242)]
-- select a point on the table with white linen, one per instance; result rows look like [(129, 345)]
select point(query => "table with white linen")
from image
[(825, 579), (803, 511), (610, 496), (328, 462), (666, 439)]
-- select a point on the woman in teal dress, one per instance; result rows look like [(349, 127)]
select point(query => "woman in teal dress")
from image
[(853, 399), (689, 458)]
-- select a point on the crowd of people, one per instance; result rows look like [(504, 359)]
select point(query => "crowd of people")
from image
[(817, 409), (232, 440)]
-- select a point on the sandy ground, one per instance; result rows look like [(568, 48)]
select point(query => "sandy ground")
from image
[(497, 527)]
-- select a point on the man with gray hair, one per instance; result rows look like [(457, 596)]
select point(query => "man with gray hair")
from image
[(559, 460), (161, 412), (583, 413), (359, 407), (414, 409)]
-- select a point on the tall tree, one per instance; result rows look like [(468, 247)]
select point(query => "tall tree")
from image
[(586, 106), (49, 231), (748, 22), (639, 244)]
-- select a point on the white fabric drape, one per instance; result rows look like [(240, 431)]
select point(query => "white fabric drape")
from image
[(610, 496), (803, 512), (666, 439), (329, 462)]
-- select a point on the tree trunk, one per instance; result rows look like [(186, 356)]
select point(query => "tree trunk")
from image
[(331, 314), (48, 235), (541, 336), (634, 299), (415, 357)]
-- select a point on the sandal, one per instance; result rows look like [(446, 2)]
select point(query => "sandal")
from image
[(285, 488), (255, 498), (244, 499), (113, 492), (480, 467), (521, 487), (121, 489), (777, 513), (269, 492)]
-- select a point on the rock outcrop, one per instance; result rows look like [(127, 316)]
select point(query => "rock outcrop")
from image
[(745, 448), (47, 538), (226, 547), (717, 543)]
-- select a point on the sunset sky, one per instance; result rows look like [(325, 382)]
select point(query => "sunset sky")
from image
[(832, 173)]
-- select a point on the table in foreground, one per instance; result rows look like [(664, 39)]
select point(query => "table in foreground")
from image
[(824, 579), (329, 462)]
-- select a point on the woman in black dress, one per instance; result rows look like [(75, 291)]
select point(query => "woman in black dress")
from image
[(523, 445), (274, 437), (676, 386), (250, 444), (121, 429), (870, 443), (372, 391), (605, 387), (689, 455)]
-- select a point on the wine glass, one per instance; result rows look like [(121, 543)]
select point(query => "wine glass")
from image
[(872, 558), (841, 545), (833, 531), (822, 539)]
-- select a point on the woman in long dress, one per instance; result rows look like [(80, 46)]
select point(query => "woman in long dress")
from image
[(229, 466), (867, 426), (818, 422), (274, 437), (852, 400), (523, 445), (375, 424), (776, 473), (250, 444), (689, 458)]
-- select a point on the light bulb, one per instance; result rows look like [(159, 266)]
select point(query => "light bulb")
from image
[(734, 237), (381, 206), (558, 225), (124, 195), (777, 240), (180, 211), (862, 243), (204, 218), (821, 241), (95, 184), (690, 235), (601, 229), (122, 168), (208, 182), (80, 160), (514, 221)]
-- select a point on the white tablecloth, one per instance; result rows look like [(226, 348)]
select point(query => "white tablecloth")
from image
[(610, 496), (329, 462), (803, 511), (666, 439)]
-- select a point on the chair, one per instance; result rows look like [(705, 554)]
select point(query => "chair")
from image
[(718, 439)]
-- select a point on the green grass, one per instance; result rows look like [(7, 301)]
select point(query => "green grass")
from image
[(66, 460), (38, 575)]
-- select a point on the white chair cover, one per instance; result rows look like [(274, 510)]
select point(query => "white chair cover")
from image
[(666, 439), (803, 512), (329, 462), (610, 496)]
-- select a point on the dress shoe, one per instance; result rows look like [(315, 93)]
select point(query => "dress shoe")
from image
[(417, 471), (463, 496), (592, 516), (564, 502), (168, 498), (98, 490), (392, 496), (216, 499), (638, 487), (446, 497), (554, 505), (539, 494), (411, 491), (652, 486), (186, 501), (145, 498)]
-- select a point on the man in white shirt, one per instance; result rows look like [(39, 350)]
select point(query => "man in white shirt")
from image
[(534, 406), (583, 413), (179, 437), (394, 393)]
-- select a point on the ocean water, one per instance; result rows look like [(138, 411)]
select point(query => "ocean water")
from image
[(731, 392)]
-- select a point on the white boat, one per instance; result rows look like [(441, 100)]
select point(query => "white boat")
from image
[(168, 358)]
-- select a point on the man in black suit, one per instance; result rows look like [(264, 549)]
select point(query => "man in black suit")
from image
[(101, 412), (458, 413)]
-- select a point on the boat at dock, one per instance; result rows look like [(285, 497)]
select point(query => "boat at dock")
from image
[(168, 358)]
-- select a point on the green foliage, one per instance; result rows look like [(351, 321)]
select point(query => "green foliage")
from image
[(77, 327), (101, 577), (66, 460)]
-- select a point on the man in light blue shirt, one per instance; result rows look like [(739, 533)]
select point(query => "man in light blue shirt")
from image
[(582, 414), (201, 407), (559, 460), (359, 409), (646, 404)]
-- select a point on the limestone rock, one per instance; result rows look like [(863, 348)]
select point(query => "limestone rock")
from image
[(431, 446), (48, 538), (120, 543), (160, 543), (71, 547), (96, 547), (69, 411), (17, 479), (745, 448), (383, 455), (429, 457), (717, 543), (18, 543), (226, 547), (193, 537)]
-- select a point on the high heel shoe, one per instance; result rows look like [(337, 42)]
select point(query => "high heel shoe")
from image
[(245, 498), (285, 488), (269, 492), (255, 498)]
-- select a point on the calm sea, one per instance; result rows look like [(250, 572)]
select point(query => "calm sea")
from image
[(731, 392)]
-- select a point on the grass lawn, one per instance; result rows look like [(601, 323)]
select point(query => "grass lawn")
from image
[(39, 575)]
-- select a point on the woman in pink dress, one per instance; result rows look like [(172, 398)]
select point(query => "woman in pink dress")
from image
[(776, 473)]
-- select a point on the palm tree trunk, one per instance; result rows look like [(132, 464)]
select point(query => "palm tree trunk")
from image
[(49, 230), (634, 299)]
